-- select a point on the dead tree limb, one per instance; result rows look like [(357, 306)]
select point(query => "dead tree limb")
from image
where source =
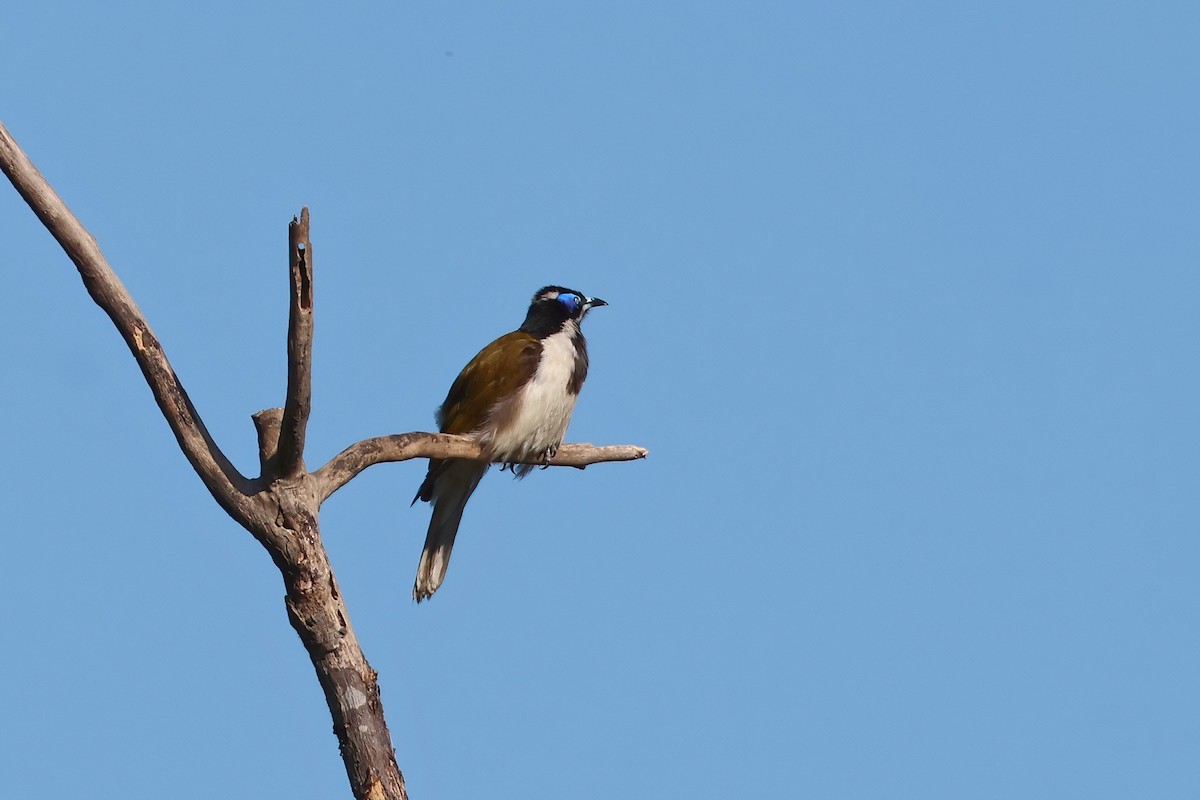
[(227, 485), (280, 507), (403, 446), (290, 455)]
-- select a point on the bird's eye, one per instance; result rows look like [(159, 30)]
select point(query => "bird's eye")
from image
[(571, 301)]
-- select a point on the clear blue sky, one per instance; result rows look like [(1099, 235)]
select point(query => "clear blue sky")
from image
[(903, 302)]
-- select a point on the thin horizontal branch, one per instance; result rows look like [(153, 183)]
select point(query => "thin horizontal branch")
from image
[(289, 457), (404, 446), (226, 484)]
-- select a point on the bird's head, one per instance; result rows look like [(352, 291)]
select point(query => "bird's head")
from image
[(554, 306)]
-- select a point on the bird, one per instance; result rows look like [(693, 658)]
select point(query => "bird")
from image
[(515, 398)]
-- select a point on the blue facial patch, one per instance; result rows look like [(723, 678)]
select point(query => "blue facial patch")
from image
[(571, 301)]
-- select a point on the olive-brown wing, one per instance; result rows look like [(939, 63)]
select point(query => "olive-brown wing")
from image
[(495, 373)]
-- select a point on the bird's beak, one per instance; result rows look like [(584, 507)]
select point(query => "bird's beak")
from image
[(593, 302)]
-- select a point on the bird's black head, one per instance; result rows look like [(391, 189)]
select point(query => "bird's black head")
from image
[(553, 307)]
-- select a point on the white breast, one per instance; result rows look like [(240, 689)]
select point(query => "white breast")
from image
[(545, 406)]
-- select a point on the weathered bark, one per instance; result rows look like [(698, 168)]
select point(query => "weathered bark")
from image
[(280, 507), (290, 454), (318, 613), (403, 446)]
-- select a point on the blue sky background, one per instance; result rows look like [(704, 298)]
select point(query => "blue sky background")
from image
[(903, 304)]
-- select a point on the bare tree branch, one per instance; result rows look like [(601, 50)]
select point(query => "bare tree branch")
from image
[(229, 487), (404, 446), (289, 458), (280, 513), (280, 508)]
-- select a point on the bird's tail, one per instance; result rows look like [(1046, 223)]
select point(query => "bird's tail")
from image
[(448, 486)]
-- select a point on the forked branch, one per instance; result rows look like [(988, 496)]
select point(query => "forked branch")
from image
[(281, 507)]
